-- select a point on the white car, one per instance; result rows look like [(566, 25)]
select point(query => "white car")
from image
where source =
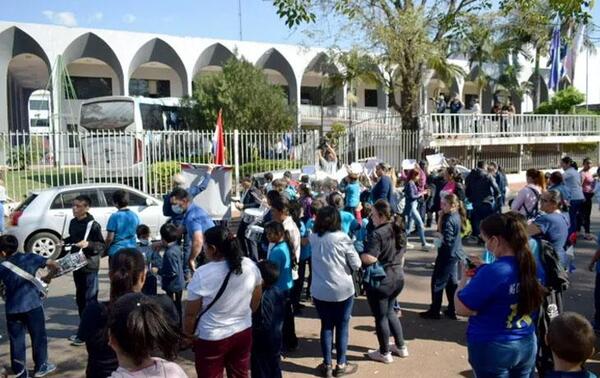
[(42, 220)]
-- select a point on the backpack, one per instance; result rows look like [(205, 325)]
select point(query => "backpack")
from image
[(557, 281), (535, 211)]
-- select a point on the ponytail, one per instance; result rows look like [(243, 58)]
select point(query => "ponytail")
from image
[(140, 327), (127, 265), (227, 246), (277, 228)]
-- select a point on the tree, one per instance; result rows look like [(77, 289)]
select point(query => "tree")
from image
[(563, 102), (412, 36), (248, 100)]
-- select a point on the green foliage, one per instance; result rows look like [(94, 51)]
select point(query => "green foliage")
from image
[(162, 172), (248, 100), (27, 153), (294, 12), (266, 165), (563, 102), (338, 131)]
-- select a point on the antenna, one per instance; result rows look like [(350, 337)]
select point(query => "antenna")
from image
[(240, 18)]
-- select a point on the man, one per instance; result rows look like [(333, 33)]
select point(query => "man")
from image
[(476, 110), (455, 107), (251, 199), (482, 191), (502, 183), (195, 222), (85, 235), (122, 225)]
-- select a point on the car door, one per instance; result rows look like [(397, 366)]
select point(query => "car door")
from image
[(61, 212), (148, 214)]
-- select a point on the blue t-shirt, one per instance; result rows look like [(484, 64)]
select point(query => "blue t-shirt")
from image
[(305, 230), (21, 294), (361, 236), (534, 246), (348, 222), (196, 219), (123, 224), (280, 255), (494, 294), (352, 192), (555, 229), (570, 374)]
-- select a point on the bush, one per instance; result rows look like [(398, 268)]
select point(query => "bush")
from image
[(161, 173), (27, 153), (563, 102), (266, 165)]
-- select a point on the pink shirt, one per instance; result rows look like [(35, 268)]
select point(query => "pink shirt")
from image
[(587, 181), (450, 187), (160, 369), (526, 199)]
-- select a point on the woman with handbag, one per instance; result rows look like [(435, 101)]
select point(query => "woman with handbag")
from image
[(221, 298), (386, 246)]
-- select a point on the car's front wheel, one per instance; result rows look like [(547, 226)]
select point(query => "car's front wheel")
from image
[(44, 244)]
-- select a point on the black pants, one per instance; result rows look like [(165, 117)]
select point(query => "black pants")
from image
[(249, 247), (479, 213), (454, 124), (176, 297), (445, 276), (265, 366), (86, 288), (290, 340), (583, 218), (386, 320), (299, 283)]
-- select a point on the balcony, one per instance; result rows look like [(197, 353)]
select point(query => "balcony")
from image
[(313, 114)]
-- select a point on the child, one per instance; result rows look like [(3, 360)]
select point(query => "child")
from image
[(121, 226), (306, 201), (171, 271), (352, 195), (267, 324), (571, 338), (361, 234), (23, 307), (152, 258), (137, 327), (306, 251)]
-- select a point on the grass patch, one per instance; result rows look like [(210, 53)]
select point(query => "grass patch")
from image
[(19, 183)]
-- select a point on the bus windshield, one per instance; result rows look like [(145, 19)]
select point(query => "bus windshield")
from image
[(107, 115)]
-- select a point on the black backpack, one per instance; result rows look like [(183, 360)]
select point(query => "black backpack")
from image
[(557, 281), (534, 212)]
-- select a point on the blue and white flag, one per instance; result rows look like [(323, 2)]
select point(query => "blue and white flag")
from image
[(555, 60)]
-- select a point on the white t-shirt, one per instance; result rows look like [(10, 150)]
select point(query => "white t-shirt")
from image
[(160, 369), (231, 313), (292, 229)]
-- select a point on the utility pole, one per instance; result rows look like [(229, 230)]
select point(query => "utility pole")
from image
[(240, 19)]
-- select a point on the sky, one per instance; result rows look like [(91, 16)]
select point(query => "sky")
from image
[(196, 18)]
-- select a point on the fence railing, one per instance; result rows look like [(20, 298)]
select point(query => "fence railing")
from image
[(343, 114), (518, 125)]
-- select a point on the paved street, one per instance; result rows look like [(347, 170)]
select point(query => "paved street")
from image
[(437, 348)]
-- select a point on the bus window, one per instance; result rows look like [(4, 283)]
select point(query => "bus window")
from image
[(109, 115), (38, 105), (152, 117), (40, 122)]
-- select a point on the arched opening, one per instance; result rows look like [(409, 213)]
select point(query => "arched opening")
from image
[(211, 60), (156, 70), (437, 87), (25, 68), (477, 87), (539, 92), (315, 88), (279, 72)]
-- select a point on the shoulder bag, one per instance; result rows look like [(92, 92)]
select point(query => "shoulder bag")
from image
[(219, 294)]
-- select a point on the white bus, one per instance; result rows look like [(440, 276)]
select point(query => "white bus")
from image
[(38, 109), (117, 131)]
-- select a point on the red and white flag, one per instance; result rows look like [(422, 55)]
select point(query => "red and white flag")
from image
[(219, 141)]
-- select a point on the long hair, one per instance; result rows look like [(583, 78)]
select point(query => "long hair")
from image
[(453, 201), (385, 210), (513, 231), (126, 267), (140, 327), (277, 228), (537, 177), (328, 220), (227, 245)]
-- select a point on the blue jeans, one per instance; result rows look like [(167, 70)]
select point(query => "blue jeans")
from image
[(33, 322), (412, 214), (445, 276), (86, 288), (507, 359), (574, 210), (334, 315)]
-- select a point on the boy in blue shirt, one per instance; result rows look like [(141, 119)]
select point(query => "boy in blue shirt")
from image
[(152, 258), (361, 234), (122, 225), (571, 338), (171, 271), (267, 325), (24, 308)]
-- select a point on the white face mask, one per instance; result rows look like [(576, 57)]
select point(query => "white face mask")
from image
[(177, 209)]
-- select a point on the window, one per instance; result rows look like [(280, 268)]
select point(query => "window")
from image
[(371, 97), (150, 88), (72, 135), (134, 198), (65, 200), (38, 105), (40, 122), (107, 115), (152, 117), (90, 87)]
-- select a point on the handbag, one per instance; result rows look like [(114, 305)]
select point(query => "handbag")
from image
[(219, 294), (39, 284)]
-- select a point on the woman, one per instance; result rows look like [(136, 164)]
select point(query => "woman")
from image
[(572, 180), (501, 300), (221, 298), (587, 185), (127, 274), (553, 225), (306, 200), (328, 160), (411, 210), (386, 245), (452, 184), (555, 182), (527, 200), (333, 259), (445, 271)]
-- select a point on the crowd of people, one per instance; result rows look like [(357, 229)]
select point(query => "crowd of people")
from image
[(233, 297)]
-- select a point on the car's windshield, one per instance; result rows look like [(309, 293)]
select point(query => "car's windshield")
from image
[(107, 115)]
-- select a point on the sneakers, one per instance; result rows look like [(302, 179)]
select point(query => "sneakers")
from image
[(72, 337), (46, 369), (410, 246), (347, 369), (376, 355), (430, 315), (427, 247), (77, 342), (400, 352), (325, 370)]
